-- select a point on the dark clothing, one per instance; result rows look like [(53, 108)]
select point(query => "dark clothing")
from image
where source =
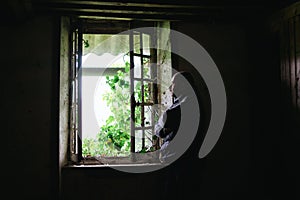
[(169, 122), (167, 127), (179, 174)]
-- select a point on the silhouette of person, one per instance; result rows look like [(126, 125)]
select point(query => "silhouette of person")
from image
[(168, 126)]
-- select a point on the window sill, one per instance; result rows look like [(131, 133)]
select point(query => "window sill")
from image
[(114, 165), (114, 162)]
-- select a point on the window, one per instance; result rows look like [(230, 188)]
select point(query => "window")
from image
[(118, 78)]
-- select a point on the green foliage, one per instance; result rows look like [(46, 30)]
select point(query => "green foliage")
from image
[(117, 136), (90, 147), (113, 138), (86, 43)]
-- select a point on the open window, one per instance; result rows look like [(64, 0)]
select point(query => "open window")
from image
[(118, 80)]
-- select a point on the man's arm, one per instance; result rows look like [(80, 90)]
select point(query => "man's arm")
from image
[(160, 129)]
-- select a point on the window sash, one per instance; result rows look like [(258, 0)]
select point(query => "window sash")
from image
[(75, 132)]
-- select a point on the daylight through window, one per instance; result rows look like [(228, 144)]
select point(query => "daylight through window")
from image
[(116, 92)]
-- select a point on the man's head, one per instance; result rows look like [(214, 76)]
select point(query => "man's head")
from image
[(179, 83)]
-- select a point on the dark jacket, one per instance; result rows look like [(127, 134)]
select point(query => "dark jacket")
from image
[(168, 125)]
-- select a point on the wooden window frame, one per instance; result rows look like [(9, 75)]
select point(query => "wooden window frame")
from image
[(80, 27)]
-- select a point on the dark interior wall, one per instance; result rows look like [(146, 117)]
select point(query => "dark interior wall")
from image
[(242, 161), (288, 145), (243, 164), (229, 160), (266, 119), (29, 57)]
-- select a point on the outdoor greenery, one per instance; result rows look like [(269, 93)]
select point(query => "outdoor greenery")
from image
[(113, 138)]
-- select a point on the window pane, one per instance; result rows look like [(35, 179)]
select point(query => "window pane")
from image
[(138, 91), (136, 43), (137, 67), (148, 116), (148, 139), (138, 121), (105, 43), (146, 44), (146, 69), (147, 92), (138, 140)]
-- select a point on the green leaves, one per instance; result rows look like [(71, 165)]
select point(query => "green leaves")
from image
[(113, 138), (117, 80), (116, 135), (86, 43), (127, 67)]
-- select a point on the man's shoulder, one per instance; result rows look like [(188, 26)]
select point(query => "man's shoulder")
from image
[(174, 110), (174, 107)]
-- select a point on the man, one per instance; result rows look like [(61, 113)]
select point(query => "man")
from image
[(174, 128), (168, 124)]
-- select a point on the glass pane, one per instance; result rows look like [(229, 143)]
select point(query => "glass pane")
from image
[(138, 140), (147, 93), (146, 44), (137, 117), (136, 43), (148, 139), (105, 43), (146, 69), (138, 91), (137, 67), (148, 116)]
